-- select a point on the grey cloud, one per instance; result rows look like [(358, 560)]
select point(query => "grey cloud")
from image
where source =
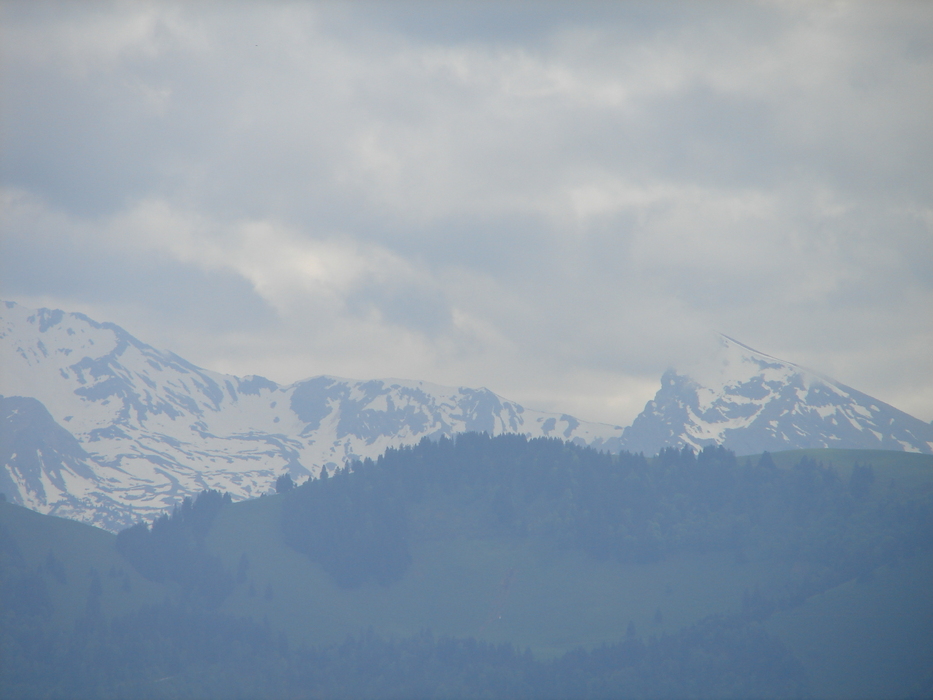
[(416, 308), (61, 141), (571, 189), (511, 22), (211, 301)]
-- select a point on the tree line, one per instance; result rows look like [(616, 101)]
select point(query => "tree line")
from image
[(179, 650), (172, 549), (359, 524)]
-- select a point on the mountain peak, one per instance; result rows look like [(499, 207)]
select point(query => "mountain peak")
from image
[(749, 401), (154, 428), (151, 428)]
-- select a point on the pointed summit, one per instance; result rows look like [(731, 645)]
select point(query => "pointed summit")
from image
[(750, 402)]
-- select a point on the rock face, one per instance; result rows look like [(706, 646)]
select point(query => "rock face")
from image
[(750, 402), (42, 460), (100, 427)]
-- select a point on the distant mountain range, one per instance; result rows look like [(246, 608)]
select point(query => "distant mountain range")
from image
[(103, 428), (100, 427)]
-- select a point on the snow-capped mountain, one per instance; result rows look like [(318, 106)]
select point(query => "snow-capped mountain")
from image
[(112, 430), (750, 402), (100, 427)]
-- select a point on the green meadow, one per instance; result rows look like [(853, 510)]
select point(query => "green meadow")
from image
[(496, 589), (857, 632)]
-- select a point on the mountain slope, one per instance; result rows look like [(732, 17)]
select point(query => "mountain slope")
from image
[(150, 428), (44, 462), (732, 563), (750, 402), (153, 428)]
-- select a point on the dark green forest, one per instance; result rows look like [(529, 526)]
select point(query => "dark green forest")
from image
[(357, 524), (169, 611)]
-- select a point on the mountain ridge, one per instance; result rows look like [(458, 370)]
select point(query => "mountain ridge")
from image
[(153, 428), (156, 428)]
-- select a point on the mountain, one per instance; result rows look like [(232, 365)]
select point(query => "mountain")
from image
[(749, 402), (43, 459), (117, 431), (100, 427)]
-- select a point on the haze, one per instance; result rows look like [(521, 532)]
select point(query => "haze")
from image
[(553, 201)]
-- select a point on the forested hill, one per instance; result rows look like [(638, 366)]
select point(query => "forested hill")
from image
[(359, 523), (493, 567)]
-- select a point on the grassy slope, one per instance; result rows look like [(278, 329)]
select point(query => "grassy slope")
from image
[(871, 638), (555, 602), (504, 590), (494, 589), (844, 459), (867, 639), (81, 549), (909, 470)]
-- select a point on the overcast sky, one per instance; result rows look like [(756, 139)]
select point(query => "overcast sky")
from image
[(557, 202)]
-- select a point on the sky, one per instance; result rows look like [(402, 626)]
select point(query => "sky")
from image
[(555, 201)]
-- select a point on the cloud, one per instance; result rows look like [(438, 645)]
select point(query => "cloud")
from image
[(556, 204)]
